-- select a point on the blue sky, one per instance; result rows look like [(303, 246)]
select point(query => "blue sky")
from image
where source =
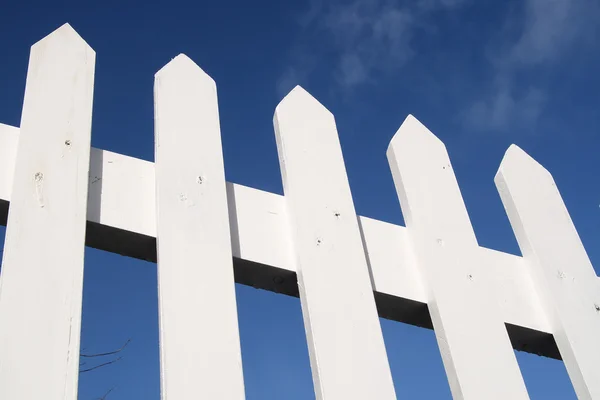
[(480, 74)]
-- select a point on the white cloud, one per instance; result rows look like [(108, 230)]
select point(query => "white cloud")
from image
[(371, 36), (550, 26), (437, 4), (547, 30), (369, 40), (504, 108), (365, 37)]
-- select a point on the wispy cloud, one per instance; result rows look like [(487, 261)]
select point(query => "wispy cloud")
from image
[(547, 31), (503, 108), (437, 4), (549, 27), (366, 38), (351, 43), (372, 36)]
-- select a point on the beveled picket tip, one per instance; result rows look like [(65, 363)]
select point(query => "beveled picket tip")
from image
[(415, 138), (516, 162), (66, 37), (299, 102), (184, 67)]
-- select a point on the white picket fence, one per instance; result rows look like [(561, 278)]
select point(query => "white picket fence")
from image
[(204, 233)]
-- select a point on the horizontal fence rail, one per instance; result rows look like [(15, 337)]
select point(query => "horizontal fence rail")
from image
[(121, 219), (346, 269)]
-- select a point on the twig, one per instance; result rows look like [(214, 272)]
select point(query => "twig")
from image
[(100, 365), (107, 354), (106, 394)]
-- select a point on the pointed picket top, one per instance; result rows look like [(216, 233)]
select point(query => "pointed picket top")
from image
[(66, 38), (523, 183), (184, 68), (415, 140), (417, 155), (302, 123), (298, 104), (516, 161), (298, 96), (184, 92), (183, 76), (558, 264)]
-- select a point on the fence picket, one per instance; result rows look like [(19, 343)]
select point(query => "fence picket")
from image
[(345, 341), (561, 270), (42, 271), (472, 338), (199, 337)]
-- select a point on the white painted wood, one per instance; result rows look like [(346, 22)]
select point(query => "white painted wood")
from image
[(259, 227), (392, 272), (475, 347), (345, 342), (123, 198), (42, 271), (199, 338), (562, 272), (513, 289), (122, 192), (9, 138)]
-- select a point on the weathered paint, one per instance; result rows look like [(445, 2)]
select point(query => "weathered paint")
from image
[(42, 270), (556, 259), (199, 339), (473, 341), (345, 343)]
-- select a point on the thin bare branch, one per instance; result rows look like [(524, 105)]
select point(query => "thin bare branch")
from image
[(107, 354), (106, 394), (100, 365)]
